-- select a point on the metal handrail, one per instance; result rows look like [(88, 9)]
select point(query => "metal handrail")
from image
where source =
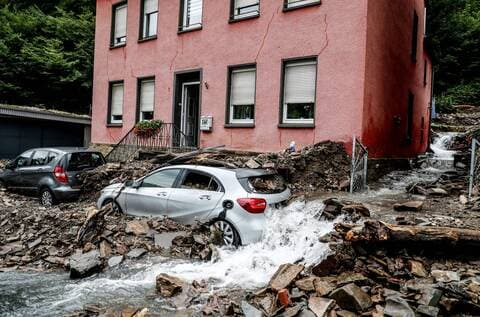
[(167, 138)]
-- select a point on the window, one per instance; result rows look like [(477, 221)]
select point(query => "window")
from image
[(149, 18), (244, 8), (414, 37), (242, 94), (23, 160), (162, 179), (39, 158), (299, 81), (292, 4), (146, 98), (116, 103), (190, 14), (119, 24), (200, 181), (51, 156), (80, 161)]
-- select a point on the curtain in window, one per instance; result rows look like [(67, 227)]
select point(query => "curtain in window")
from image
[(245, 3), (150, 6), (117, 100), (300, 82), (193, 9), (243, 87), (147, 95), (121, 22)]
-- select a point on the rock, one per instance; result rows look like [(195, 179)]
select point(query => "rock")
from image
[(307, 284), (285, 275), (164, 239), (55, 260), (168, 285), (351, 297), (115, 260), (35, 243), (414, 205), (437, 191), (137, 227), (267, 304), (359, 209), (430, 296), (105, 249), (463, 199), (346, 313), (250, 311), (430, 311), (323, 288), (320, 306), (326, 267), (85, 264), (417, 268), (445, 276), (136, 253), (398, 307), (291, 311), (251, 163), (306, 313)]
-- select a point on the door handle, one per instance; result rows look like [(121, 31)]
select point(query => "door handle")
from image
[(162, 194), (203, 197)]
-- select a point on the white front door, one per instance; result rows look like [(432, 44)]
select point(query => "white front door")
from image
[(188, 112)]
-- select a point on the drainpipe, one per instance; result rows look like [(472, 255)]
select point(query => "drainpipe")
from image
[(429, 149)]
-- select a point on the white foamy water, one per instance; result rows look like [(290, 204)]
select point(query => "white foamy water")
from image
[(440, 146), (291, 236)]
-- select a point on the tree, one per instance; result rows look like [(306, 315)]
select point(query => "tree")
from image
[(46, 53), (453, 37)]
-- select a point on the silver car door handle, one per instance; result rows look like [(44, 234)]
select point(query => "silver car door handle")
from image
[(162, 194), (202, 197)]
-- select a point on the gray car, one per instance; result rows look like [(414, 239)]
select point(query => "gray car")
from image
[(50, 173), (234, 200)]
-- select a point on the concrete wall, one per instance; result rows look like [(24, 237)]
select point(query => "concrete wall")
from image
[(390, 75), (335, 31)]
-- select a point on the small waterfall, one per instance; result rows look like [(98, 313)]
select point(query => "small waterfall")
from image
[(442, 156)]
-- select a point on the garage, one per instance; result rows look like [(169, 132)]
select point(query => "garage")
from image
[(23, 128)]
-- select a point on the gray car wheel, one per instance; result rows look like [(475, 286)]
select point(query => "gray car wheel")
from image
[(230, 235), (46, 197)]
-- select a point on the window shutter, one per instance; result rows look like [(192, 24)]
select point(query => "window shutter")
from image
[(147, 95), (150, 6), (243, 87), (244, 3), (117, 100), (121, 22), (300, 82), (194, 11)]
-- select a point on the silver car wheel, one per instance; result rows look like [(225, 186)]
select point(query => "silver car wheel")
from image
[(227, 231), (47, 198)]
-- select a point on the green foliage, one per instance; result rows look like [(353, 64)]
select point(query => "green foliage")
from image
[(453, 37), (148, 128), (46, 53)]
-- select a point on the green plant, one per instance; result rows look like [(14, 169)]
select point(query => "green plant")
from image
[(147, 128)]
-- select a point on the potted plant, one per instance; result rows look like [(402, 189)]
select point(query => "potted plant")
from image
[(147, 128)]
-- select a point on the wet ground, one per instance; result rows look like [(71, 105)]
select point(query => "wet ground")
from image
[(291, 236)]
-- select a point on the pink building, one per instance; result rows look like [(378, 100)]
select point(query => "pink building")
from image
[(267, 72)]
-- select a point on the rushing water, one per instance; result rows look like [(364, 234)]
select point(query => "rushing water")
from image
[(440, 146), (52, 294)]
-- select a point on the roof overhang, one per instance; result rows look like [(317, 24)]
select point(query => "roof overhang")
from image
[(43, 114)]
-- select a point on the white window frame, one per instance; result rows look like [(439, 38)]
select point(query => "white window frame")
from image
[(291, 4), (231, 105), (141, 82), (294, 63), (237, 16), (112, 85), (145, 25), (114, 25), (187, 27)]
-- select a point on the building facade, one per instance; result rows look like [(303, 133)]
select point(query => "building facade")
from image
[(266, 72)]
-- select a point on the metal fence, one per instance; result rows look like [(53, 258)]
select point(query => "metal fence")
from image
[(167, 138), (358, 177), (474, 176)]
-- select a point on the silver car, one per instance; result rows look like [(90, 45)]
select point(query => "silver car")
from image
[(234, 200)]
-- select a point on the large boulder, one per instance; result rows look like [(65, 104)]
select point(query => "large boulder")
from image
[(351, 297), (85, 264), (168, 285)]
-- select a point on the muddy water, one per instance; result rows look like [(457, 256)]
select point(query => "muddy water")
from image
[(291, 236)]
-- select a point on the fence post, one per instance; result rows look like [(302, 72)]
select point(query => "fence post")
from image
[(352, 172), (473, 164)]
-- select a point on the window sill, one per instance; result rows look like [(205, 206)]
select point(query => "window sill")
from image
[(286, 9), (239, 125), (233, 19), (114, 125), (198, 28), (112, 47), (146, 39), (297, 125)]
